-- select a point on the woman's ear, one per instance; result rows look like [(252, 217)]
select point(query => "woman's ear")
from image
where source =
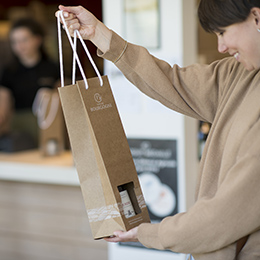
[(255, 12)]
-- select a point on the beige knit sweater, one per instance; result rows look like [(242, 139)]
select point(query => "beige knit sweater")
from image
[(228, 189)]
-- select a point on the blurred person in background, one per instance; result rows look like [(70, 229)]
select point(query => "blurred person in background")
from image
[(28, 71)]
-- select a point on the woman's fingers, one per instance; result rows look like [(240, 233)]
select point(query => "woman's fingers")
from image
[(71, 21), (124, 236), (67, 16), (73, 24), (76, 10)]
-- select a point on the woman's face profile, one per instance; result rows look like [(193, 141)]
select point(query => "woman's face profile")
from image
[(24, 44), (241, 40)]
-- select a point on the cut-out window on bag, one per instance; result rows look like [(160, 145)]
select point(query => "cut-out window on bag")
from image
[(129, 200)]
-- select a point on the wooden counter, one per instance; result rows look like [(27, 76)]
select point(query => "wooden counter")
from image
[(30, 166), (42, 213)]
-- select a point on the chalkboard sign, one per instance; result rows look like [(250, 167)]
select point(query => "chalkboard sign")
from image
[(157, 167)]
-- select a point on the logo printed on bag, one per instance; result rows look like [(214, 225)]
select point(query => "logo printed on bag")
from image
[(98, 98), (100, 105)]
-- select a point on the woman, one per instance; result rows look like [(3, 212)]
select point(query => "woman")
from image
[(29, 71), (224, 222)]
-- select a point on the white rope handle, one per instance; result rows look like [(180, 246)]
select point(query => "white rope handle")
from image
[(74, 60), (76, 33), (75, 55), (72, 46)]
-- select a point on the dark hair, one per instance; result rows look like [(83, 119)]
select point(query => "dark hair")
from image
[(216, 14), (34, 27)]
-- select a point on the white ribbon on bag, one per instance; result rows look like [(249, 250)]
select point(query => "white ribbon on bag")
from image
[(75, 55)]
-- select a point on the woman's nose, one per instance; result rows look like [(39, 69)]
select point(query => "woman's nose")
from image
[(222, 48)]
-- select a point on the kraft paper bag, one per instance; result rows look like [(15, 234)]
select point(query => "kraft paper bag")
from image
[(47, 108), (102, 157), (109, 183)]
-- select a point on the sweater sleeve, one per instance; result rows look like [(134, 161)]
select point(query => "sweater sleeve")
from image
[(194, 90), (214, 224)]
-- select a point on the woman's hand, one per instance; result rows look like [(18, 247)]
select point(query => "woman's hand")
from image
[(122, 236), (78, 18), (90, 28)]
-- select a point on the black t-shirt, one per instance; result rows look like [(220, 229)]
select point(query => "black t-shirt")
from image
[(24, 82)]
